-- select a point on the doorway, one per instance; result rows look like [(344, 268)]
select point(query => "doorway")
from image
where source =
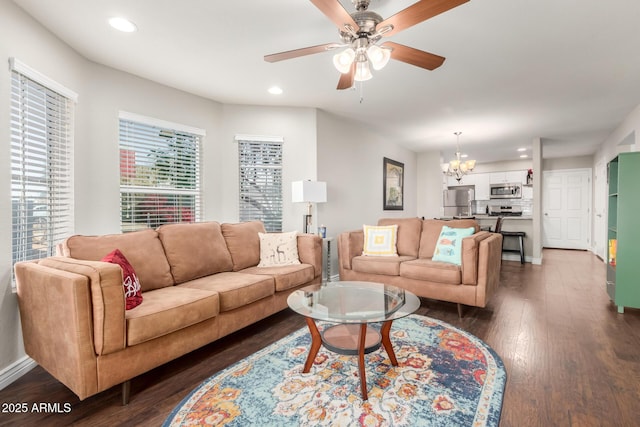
[(566, 208), (600, 209)]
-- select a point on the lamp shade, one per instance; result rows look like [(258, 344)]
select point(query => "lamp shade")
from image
[(308, 191)]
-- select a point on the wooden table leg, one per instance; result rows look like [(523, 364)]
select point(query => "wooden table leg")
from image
[(386, 342), (316, 343), (363, 378)]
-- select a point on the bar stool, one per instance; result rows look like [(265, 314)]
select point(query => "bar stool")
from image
[(519, 234)]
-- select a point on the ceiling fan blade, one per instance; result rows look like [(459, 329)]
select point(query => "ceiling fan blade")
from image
[(416, 57), (334, 11), (416, 13), (346, 79), (275, 57)]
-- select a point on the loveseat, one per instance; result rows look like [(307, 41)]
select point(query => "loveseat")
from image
[(199, 282), (470, 283)]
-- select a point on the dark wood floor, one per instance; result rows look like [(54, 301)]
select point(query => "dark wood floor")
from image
[(571, 359)]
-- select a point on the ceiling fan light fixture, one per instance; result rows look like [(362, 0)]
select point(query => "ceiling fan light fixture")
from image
[(343, 60), (379, 56), (363, 73)]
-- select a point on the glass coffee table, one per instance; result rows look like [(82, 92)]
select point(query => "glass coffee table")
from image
[(352, 306)]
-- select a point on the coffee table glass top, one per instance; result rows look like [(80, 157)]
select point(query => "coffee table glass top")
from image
[(353, 302)]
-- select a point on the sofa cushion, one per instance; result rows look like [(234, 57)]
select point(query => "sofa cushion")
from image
[(380, 240), (130, 282), (432, 271), (449, 246), (389, 266), (243, 243), (235, 289), (409, 230), (431, 231), (142, 248), (278, 249), (167, 310), (195, 250), (285, 276)]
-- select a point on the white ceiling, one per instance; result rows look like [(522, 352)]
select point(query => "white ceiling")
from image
[(567, 71)]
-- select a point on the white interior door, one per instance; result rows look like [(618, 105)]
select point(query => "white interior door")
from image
[(566, 209), (600, 209)]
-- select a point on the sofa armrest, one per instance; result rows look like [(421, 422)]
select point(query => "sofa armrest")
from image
[(350, 245), (106, 303), (470, 248), (489, 263), (55, 313), (310, 252)]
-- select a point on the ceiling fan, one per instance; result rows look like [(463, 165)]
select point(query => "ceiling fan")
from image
[(361, 31)]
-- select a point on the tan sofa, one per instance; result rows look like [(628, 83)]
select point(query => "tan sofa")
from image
[(471, 283), (199, 283)]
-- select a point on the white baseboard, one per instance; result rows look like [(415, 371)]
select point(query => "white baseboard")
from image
[(17, 369), (516, 257)]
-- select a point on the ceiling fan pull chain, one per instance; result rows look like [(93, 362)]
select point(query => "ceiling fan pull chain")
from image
[(361, 92)]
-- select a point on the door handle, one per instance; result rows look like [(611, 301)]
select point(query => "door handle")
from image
[(599, 215)]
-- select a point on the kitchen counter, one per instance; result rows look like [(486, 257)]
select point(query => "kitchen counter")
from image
[(512, 223), (506, 217)]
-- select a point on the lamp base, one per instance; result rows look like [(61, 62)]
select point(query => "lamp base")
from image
[(306, 223)]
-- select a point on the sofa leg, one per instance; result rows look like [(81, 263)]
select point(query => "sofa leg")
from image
[(126, 392), (460, 311)]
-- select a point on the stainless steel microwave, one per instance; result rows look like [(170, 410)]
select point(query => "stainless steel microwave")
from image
[(506, 191)]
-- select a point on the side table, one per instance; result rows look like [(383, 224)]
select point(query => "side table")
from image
[(327, 257)]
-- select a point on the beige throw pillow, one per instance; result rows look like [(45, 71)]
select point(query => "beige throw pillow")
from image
[(380, 240), (278, 249)]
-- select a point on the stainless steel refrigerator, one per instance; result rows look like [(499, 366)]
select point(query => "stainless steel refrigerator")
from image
[(457, 201)]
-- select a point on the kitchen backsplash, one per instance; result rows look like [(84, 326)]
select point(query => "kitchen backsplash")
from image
[(479, 207)]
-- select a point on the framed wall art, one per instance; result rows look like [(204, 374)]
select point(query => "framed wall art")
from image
[(393, 185)]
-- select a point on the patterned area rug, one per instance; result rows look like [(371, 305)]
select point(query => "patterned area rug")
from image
[(445, 377)]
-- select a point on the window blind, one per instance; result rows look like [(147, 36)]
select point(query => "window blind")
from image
[(159, 176), (260, 166), (41, 128)]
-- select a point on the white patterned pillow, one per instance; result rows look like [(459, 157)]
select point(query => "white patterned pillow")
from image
[(278, 249), (380, 240)]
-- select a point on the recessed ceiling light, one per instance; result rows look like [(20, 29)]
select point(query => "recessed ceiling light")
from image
[(275, 90), (522, 149), (523, 156), (464, 156), (122, 24)]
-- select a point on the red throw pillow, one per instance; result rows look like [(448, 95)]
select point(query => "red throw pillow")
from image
[(132, 291)]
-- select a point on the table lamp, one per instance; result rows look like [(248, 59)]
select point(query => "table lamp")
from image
[(308, 192)]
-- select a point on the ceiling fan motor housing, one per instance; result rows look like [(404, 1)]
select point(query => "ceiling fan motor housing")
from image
[(361, 4)]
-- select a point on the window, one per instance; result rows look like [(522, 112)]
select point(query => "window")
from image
[(41, 163), (159, 173), (261, 180)]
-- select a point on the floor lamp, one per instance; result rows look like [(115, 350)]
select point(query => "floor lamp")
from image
[(308, 192)]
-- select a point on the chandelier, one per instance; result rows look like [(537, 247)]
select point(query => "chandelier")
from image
[(456, 167)]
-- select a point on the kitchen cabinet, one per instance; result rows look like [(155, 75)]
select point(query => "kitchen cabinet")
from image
[(482, 186), (508, 177)]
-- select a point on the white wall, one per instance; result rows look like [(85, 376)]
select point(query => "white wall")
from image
[(430, 184), (296, 125), (624, 138), (23, 38), (578, 162), (107, 92), (350, 160)]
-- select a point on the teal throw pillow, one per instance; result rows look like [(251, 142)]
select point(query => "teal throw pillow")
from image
[(449, 247)]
